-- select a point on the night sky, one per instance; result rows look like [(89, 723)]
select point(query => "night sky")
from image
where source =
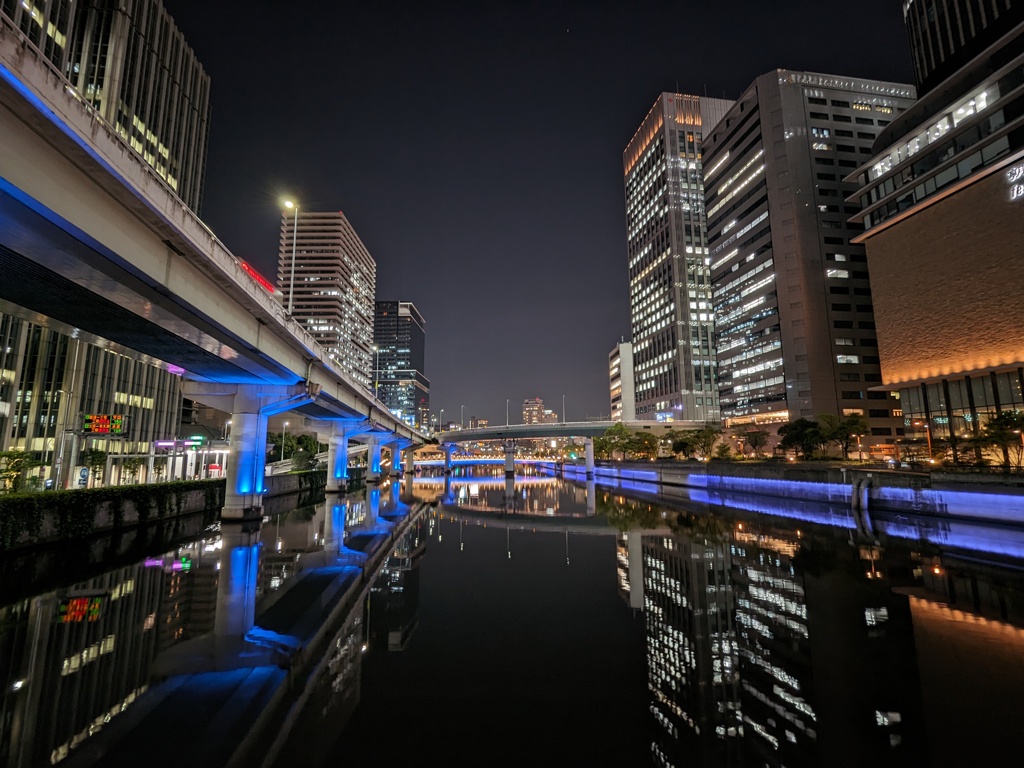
[(476, 147)]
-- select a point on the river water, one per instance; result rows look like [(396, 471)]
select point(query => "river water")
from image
[(549, 623)]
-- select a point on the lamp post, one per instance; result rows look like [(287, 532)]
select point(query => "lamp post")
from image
[(283, 431), (462, 417), (295, 236), (563, 410), (440, 426), (506, 411), (376, 372)]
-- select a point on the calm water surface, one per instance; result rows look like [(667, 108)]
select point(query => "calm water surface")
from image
[(548, 623)]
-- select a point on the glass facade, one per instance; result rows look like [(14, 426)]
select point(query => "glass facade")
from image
[(671, 313), (399, 381)]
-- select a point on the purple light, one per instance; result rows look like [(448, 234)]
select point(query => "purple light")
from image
[(153, 562), (176, 370)]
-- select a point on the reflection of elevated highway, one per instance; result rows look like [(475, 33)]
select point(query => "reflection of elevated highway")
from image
[(562, 429), (589, 526)]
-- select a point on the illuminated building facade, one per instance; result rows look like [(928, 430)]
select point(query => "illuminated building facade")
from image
[(49, 381), (399, 361), (620, 382), (942, 206), (795, 320), (128, 61), (666, 242), (534, 412), (331, 289)]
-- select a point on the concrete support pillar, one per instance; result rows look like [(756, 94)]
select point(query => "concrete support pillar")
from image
[(245, 472), (250, 405), (236, 584), (396, 457), (373, 459), (410, 460), (337, 462), (510, 458), (588, 446), (449, 449), (408, 494), (591, 497)]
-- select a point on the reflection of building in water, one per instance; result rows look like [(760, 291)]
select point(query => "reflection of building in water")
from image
[(692, 665), (827, 661), (75, 657), (188, 603), (283, 540), (395, 597), (629, 568)]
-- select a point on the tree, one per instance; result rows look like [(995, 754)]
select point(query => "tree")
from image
[(802, 435), (704, 440), (842, 430), (755, 439), (291, 444), (642, 445), (131, 466), (302, 460), (96, 461), (1003, 432), (618, 439), (307, 443), (683, 444), (13, 466), (723, 452)]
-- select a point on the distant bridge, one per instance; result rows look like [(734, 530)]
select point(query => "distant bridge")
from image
[(562, 429)]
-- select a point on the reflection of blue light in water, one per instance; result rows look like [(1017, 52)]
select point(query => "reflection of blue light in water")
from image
[(969, 536), (374, 502)]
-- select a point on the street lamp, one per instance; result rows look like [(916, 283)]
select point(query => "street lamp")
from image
[(462, 417), (376, 371), (563, 409), (295, 236), (282, 439), (506, 411), (440, 427)]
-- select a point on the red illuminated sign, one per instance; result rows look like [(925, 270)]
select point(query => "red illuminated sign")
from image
[(103, 423), (75, 610), (264, 283)]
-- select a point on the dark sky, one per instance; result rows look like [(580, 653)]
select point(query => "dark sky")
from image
[(476, 147)]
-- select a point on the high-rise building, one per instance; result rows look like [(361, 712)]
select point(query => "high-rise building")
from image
[(620, 382), (327, 280), (669, 278), (533, 411), (128, 61), (399, 361), (942, 206), (795, 319), (477, 423)]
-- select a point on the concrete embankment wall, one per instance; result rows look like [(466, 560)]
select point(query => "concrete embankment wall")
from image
[(991, 496)]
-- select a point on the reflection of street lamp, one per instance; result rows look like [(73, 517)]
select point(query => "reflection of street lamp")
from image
[(295, 236), (927, 434), (283, 431)]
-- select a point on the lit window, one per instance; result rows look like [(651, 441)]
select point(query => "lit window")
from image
[(847, 359)]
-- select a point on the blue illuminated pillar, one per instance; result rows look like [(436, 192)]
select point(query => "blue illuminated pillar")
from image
[(337, 463), (588, 445), (449, 449), (245, 467), (373, 459)]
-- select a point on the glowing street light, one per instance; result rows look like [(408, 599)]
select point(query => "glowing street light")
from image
[(283, 431), (928, 434), (295, 236)]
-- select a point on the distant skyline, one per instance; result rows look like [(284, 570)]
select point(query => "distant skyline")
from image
[(476, 149)]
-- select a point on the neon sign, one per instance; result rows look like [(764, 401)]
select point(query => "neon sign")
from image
[(263, 282), (1016, 178)]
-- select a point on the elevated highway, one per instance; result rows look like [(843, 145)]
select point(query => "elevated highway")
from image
[(91, 236)]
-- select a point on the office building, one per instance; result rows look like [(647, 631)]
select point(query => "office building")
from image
[(399, 355), (620, 382), (128, 61), (477, 423), (669, 281), (326, 279), (52, 382), (941, 201), (533, 411), (793, 304)]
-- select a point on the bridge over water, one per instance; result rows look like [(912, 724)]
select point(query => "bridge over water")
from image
[(93, 238)]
